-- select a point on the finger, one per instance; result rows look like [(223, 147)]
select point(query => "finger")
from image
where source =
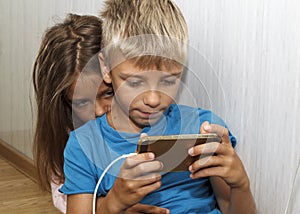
[(147, 167), (148, 177), (132, 184), (131, 192), (218, 129), (207, 148), (208, 172), (144, 180), (143, 135), (145, 208), (204, 162), (142, 171), (135, 160), (142, 191), (202, 129)]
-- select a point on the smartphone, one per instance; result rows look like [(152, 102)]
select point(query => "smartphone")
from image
[(172, 150)]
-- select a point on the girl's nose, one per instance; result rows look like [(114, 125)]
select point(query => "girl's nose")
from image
[(100, 109)]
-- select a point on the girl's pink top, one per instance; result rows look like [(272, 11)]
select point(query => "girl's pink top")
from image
[(59, 199)]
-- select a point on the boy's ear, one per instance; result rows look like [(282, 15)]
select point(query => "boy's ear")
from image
[(104, 69)]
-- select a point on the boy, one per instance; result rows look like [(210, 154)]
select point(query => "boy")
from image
[(144, 56)]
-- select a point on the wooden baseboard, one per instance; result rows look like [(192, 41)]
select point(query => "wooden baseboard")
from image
[(20, 161)]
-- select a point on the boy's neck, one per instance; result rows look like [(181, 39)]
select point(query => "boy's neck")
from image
[(121, 124)]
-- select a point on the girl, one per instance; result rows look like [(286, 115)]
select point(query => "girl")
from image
[(67, 58)]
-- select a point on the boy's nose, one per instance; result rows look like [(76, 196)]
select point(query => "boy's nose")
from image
[(152, 98)]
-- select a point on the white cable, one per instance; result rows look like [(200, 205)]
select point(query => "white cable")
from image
[(103, 174)]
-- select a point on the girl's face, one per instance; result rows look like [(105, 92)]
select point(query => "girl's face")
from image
[(90, 97)]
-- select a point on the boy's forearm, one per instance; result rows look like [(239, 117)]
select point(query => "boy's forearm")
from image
[(242, 201), (233, 200), (108, 205)]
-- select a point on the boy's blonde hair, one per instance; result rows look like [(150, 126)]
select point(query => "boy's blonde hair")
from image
[(144, 30)]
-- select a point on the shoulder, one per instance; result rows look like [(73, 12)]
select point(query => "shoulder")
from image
[(192, 118), (92, 126), (87, 132), (83, 138), (183, 111)]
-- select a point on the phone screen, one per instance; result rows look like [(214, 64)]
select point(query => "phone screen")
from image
[(172, 150)]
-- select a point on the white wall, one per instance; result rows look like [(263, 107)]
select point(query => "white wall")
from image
[(22, 26), (253, 47), (246, 53)]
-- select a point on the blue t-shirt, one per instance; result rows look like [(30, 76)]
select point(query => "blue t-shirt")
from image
[(92, 147)]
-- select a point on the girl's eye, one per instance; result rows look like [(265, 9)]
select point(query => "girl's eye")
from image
[(80, 103), (107, 93)]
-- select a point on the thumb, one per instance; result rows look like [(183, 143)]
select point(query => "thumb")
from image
[(205, 128), (143, 135)]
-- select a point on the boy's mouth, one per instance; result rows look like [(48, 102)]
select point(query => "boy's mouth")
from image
[(150, 115)]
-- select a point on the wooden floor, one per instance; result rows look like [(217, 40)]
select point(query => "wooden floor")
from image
[(19, 194)]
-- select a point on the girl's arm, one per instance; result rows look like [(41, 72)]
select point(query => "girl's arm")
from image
[(80, 204)]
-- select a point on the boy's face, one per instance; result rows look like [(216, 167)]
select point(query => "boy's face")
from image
[(141, 95)]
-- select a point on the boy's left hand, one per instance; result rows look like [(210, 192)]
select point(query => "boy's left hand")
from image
[(225, 163)]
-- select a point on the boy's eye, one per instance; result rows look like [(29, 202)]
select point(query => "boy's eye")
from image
[(169, 81), (134, 83)]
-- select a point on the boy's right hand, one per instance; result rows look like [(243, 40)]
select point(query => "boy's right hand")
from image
[(138, 177)]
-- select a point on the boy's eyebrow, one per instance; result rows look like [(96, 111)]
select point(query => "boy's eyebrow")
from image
[(177, 74), (125, 76)]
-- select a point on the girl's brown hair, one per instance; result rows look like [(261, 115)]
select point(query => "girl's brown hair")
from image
[(65, 50)]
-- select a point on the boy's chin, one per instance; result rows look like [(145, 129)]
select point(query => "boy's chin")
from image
[(145, 123)]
